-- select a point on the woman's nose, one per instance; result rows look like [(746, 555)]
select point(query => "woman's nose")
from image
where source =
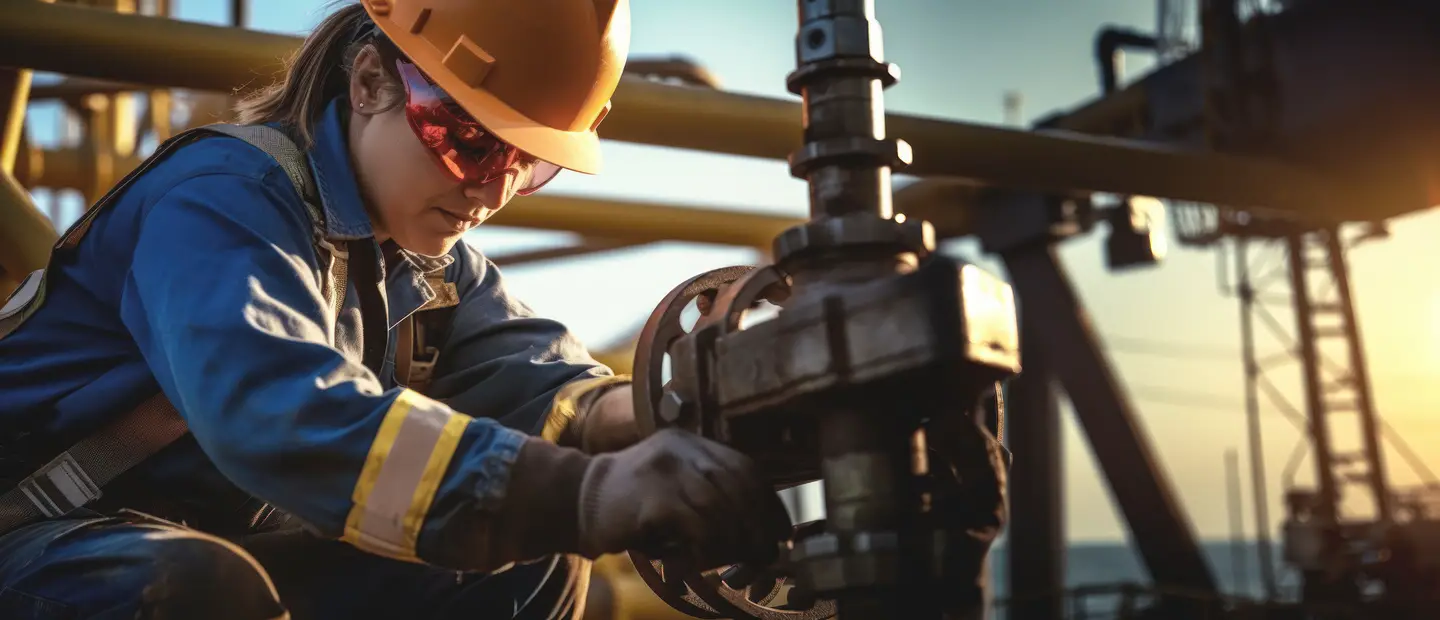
[(493, 194)]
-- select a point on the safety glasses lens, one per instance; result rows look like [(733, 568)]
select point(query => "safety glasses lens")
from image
[(461, 145)]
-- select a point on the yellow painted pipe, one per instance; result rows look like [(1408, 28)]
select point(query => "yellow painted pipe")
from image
[(28, 235), (685, 70), (941, 201), (586, 247), (71, 168), (14, 99), (639, 222), (136, 48), (100, 44), (617, 220)]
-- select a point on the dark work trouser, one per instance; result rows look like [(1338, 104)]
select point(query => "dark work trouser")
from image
[(112, 568)]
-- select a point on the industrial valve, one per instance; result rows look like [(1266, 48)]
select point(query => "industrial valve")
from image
[(871, 377)]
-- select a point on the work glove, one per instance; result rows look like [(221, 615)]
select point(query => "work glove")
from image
[(604, 422), (677, 496)]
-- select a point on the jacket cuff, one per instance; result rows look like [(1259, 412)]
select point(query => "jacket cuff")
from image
[(570, 403), (541, 512)]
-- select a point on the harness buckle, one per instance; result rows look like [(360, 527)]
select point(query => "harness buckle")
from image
[(60, 486), (421, 370)]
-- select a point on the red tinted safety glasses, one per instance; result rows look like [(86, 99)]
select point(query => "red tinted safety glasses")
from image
[(463, 148)]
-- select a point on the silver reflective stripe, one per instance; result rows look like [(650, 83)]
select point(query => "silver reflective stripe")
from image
[(59, 487), (402, 474), (22, 295)]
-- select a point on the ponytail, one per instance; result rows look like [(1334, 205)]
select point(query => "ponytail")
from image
[(317, 73)]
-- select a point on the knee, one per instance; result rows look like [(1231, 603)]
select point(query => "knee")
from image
[(195, 575)]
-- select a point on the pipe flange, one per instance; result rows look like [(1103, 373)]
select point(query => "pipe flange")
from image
[(855, 229), (851, 151), (887, 72)]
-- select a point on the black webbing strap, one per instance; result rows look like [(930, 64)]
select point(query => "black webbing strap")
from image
[(74, 478)]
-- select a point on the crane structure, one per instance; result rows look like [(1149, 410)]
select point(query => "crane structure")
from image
[(1281, 128)]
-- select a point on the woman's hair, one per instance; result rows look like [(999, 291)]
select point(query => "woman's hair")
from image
[(316, 74)]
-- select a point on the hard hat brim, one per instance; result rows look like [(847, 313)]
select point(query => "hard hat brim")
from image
[(578, 151)]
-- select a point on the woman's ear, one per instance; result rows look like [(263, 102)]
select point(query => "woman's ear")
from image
[(371, 87)]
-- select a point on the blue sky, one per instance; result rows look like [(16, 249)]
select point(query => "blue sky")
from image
[(958, 57)]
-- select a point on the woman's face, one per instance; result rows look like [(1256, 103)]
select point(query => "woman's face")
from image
[(411, 200)]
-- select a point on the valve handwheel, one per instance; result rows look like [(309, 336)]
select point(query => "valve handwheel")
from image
[(736, 591), (661, 330)]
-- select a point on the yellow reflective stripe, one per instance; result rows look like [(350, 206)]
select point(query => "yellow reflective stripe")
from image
[(374, 462), (564, 408), (434, 472), (401, 475)]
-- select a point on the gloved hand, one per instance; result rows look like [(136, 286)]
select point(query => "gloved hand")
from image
[(678, 496), (605, 421)]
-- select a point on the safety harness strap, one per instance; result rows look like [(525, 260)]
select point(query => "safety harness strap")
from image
[(75, 478), (418, 335)]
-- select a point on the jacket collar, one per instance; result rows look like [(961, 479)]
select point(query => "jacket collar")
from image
[(346, 219), (345, 216)]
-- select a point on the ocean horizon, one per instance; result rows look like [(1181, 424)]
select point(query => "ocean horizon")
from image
[(1092, 563)]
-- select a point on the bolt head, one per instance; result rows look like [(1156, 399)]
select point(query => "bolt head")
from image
[(672, 406)]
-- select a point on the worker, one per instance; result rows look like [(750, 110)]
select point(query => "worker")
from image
[(335, 466)]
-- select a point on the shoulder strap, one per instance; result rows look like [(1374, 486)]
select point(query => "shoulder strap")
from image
[(292, 160), (75, 478)]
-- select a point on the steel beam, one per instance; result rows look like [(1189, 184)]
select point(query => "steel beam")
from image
[(166, 52), (1374, 453), (1326, 510), (1160, 529), (1036, 550)]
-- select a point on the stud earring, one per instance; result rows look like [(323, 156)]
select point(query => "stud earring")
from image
[(362, 104)]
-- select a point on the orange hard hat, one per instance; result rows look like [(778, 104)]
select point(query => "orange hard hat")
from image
[(537, 73)]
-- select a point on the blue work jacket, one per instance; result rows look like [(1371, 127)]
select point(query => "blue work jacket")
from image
[(202, 281)]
